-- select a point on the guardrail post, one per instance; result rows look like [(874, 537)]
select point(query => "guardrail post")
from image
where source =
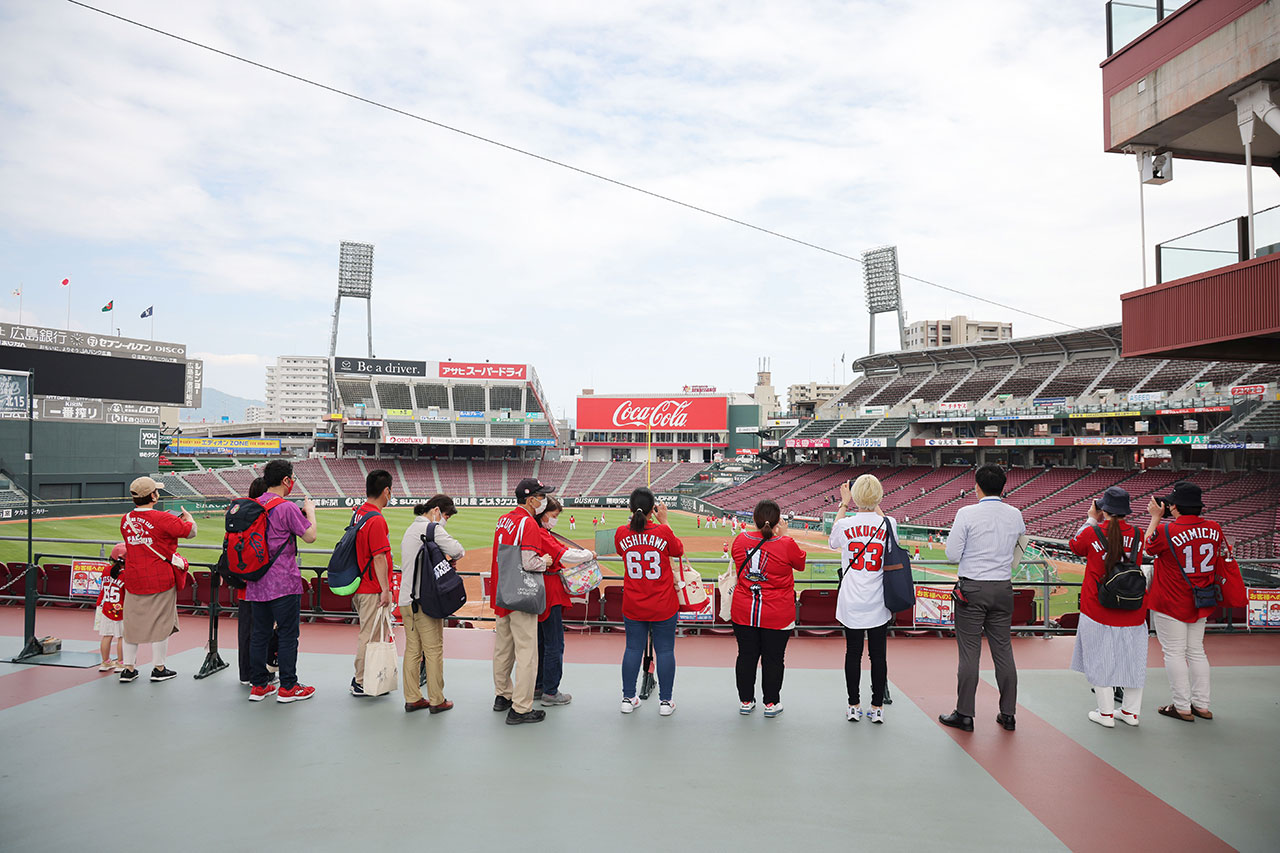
[(213, 662), (1044, 578)]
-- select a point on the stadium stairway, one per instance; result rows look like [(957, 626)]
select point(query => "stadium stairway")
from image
[(324, 466)]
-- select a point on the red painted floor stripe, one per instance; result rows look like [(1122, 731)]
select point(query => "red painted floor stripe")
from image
[(1085, 802)]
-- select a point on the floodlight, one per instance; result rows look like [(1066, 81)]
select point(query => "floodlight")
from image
[(880, 277), (355, 270)]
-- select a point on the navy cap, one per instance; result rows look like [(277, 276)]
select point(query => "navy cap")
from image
[(531, 486)]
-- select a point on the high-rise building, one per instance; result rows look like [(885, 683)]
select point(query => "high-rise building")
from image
[(298, 389), (257, 414), (803, 399), (959, 330)]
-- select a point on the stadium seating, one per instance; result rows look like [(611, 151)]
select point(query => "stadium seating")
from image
[(469, 398), (1073, 379), (1126, 373), (816, 608), (978, 386), (1024, 381), (506, 397), (938, 384), (348, 474), (394, 395), (431, 395), (310, 474), (203, 593), (861, 390), (454, 479), (488, 477), (897, 390), (208, 484), (1172, 375), (338, 608)]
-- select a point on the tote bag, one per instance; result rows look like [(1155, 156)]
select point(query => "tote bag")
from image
[(690, 591), (517, 589), (899, 591), (381, 657)]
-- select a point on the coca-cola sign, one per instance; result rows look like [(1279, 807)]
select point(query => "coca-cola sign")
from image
[(692, 414)]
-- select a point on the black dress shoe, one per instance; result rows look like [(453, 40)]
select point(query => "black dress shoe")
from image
[(514, 719), (501, 703), (1007, 721), (956, 720)]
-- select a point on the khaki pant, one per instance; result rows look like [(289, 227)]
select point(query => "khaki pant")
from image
[(423, 641), (367, 608), (516, 643)]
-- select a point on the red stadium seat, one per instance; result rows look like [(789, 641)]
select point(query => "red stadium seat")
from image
[(612, 601), (57, 583), (203, 594), (817, 607), (1069, 620), (337, 608), (1024, 607)]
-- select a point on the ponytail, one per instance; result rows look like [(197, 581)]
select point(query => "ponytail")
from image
[(1115, 542), (766, 516), (641, 504)]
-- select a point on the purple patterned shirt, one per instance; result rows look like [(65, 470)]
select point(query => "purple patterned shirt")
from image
[(284, 522)]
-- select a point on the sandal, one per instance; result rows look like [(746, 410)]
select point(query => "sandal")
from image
[(1204, 715), (1170, 711)]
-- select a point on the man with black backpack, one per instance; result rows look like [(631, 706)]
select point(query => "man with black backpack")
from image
[(276, 597), (424, 634)]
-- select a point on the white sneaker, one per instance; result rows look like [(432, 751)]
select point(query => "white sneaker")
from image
[(1107, 721), (666, 709), (106, 666), (876, 715), (773, 710), (629, 705), (1128, 719), (855, 713), (747, 707)]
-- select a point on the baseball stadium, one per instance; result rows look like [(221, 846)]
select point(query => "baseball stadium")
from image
[(1142, 408)]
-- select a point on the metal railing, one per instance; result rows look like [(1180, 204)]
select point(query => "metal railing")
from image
[(1044, 626)]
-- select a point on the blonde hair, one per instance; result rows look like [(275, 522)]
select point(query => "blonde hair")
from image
[(867, 492)]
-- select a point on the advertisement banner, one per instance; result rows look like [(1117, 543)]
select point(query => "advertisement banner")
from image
[(86, 577), (1186, 439), (1145, 396), (950, 420), (1021, 417), (699, 389), (1264, 608), (944, 442), (747, 451), (326, 435), (1194, 410), (872, 411), (1090, 440), (494, 442), (365, 423), (707, 614), (388, 438), (746, 430), (1141, 426), (782, 422), (862, 442), (1023, 442), (535, 442), (808, 442), (399, 414), (769, 442), (953, 406), (1247, 390), (467, 370), (934, 607), (379, 366), (1049, 401), (701, 414), (1232, 445), (1132, 414), (447, 439), (201, 444), (470, 414)]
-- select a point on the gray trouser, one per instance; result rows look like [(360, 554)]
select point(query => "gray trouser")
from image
[(989, 612)]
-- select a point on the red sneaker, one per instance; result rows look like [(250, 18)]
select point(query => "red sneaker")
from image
[(295, 693), (257, 694)]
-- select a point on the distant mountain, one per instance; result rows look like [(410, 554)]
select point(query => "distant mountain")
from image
[(218, 405)]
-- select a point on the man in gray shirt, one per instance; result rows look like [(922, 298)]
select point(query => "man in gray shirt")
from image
[(983, 540)]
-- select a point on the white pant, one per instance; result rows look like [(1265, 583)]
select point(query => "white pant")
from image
[(1106, 696), (1184, 661)]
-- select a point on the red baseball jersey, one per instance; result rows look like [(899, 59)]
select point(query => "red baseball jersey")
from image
[(1196, 543), (111, 598), (1087, 544), (151, 539), (648, 585)]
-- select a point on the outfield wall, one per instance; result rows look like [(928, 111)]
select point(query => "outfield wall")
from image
[(78, 461)]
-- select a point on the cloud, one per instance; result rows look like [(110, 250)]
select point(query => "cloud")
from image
[(967, 135)]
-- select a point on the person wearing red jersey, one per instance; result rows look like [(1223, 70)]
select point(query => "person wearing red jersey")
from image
[(764, 605), (1111, 645), (151, 601), (1186, 550), (515, 641), (373, 553), (649, 602), (108, 614), (551, 621)]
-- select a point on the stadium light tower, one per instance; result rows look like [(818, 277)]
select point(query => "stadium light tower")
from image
[(884, 292), (355, 279)]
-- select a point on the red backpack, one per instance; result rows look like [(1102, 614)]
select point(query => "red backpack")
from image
[(244, 547)]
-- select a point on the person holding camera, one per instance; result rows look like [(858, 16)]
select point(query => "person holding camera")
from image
[(763, 611), (1111, 644), (862, 539), (1183, 594)]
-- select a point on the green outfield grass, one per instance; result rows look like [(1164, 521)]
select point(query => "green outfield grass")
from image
[(473, 527)]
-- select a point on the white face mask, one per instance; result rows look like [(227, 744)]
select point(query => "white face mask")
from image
[(551, 522), (538, 507)]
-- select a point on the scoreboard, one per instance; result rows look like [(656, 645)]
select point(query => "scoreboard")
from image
[(101, 378)]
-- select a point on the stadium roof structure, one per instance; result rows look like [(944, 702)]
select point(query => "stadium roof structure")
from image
[(1061, 344)]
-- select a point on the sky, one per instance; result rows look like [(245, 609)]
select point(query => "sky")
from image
[(150, 172)]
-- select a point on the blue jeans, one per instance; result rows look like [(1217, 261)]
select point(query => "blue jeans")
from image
[(664, 649), (551, 651), (283, 612)]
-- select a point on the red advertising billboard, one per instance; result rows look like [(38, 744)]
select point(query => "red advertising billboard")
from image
[(684, 414), (465, 370)]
